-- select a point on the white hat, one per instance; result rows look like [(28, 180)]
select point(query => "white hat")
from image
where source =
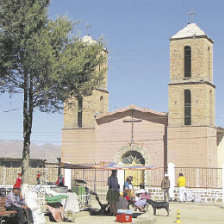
[(166, 175)]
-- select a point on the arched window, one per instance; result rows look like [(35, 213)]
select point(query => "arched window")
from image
[(133, 157), (187, 61), (209, 63), (187, 107), (210, 107)]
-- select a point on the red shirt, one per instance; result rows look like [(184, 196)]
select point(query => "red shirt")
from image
[(60, 180), (18, 182)]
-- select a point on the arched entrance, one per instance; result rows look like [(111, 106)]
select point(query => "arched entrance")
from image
[(134, 158), (132, 154)]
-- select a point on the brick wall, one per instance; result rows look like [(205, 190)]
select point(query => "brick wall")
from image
[(192, 146)]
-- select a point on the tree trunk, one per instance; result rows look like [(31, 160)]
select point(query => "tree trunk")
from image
[(27, 126)]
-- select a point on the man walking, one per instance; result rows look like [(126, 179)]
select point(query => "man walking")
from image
[(165, 185)]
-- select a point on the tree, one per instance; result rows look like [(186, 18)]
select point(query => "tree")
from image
[(45, 60)]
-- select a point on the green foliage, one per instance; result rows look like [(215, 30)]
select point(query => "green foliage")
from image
[(44, 60), (56, 63)]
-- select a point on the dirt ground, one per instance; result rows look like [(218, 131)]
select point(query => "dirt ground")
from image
[(190, 213)]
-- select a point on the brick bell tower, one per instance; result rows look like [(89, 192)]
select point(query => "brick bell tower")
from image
[(191, 120), (82, 113)]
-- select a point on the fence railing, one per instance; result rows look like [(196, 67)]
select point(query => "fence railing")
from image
[(156, 177), (9, 175), (96, 180), (196, 177), (200, 177)]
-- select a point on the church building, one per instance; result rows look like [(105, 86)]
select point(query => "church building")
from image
[(186, 135)]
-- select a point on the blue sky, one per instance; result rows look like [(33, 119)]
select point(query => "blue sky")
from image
[(137, 33)]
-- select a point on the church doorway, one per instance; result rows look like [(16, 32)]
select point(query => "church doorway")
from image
[(134, 158)]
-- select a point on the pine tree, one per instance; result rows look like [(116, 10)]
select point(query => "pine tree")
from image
[(44, 60)]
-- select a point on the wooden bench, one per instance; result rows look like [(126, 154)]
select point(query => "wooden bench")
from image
[(3, 213)]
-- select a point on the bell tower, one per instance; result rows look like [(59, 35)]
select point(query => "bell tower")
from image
[(84, 109), (191, 88), (191, 120)]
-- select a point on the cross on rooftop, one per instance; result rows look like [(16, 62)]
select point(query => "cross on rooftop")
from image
[(87, 28), (191, 14)]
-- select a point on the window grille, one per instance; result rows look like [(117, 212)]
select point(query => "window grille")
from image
[(187, 61), (187, 107)]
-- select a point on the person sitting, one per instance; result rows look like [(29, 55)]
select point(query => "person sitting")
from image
[(60, 181), (141, 198), (128, 187), (15, 202)]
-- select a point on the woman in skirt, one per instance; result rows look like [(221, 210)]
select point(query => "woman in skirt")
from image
[(113, 192)]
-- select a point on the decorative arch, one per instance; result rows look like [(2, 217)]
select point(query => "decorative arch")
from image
[(139, 149)]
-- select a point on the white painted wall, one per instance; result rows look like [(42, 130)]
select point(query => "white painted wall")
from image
[(68, 178), (171, 173), (223, 182)]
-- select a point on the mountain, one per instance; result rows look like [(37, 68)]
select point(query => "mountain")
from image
[(14, 148)]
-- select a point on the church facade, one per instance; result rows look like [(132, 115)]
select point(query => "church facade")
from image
[(186, 135)]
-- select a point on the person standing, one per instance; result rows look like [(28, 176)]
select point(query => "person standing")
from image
[(165, 185), (38, 177), (15, 202), (60, 181), (130, 183), (126, 184), (181, 183), (19, 180), (113, 192)]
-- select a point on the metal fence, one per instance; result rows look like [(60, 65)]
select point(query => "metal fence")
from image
[(156, 177), (9, 175), (200, 177), (96, 180), (196, 177)]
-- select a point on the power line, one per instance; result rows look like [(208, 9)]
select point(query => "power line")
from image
[(128, 140)]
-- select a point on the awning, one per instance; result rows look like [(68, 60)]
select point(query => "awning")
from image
[(107, 166)]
